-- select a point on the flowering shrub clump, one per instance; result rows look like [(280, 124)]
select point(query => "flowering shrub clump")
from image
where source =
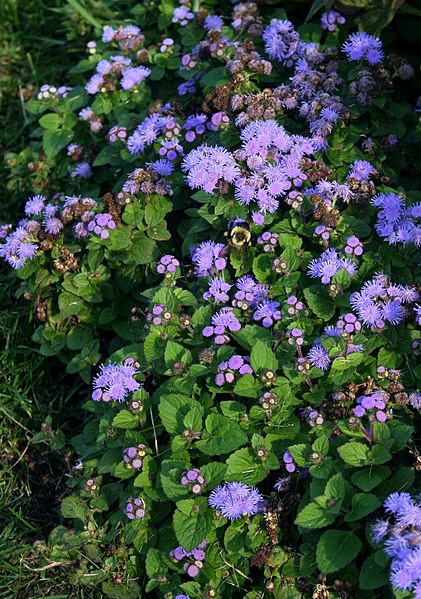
[(222, 238)]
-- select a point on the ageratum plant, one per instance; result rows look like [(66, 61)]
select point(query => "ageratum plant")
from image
[(225, 217)]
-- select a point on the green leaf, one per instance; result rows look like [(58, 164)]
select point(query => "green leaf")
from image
[(154, 563), (300, 454), (50, 121), (379, 455), (133, 214), (336, 549), (193, 418), (156, 209), (368, 478), (126, 420), (335, 488), (244, 466), (109, 155), (143, 249), (235, 537), (373, 576), (172, 410), (73, 507), (401, 433), (362, 505), (321, 445), (55, 141), (354, 453), (192, 521), (174, 352), (69, 304), (213, 473), (85, 14), (248, 386), (262, 357), (318, 301), (217, 76), (169, 477), (249, 334), (225, 436), (314, 516), (287, 240)]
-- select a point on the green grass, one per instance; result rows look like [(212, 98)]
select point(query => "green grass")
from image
[(40, 40), (32, 473)]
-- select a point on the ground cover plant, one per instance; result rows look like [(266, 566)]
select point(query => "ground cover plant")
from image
[(222, 238)]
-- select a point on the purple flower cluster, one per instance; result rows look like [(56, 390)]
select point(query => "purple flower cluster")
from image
[(50, 92), (101, 225), (218, 290), (235, 500), (281, 41), (19, 246), (331, 19), (135, 508), (223, 323), (167, 265), (159, 315), (147, 132), (401, 537), (133, 456), (345, 327), (288, 460), (213, 23), (170, 150), (83, 170), (398, 223), (88, 115), (166, 45), (4, 230), (119, 66), (331, 191), (268, 312), (235, 365), (294, 306), (115, 381), (206, 165), (209, 258), (313, 416), (414, 400), (268, 400), (328, 265), (195, 125), (361, 170), (268, 240), (133, 76), (193, 480), (117, 133), (250, 293), (193, 559), (380, 301), (362, 45), (373, 406), (188, 87), (274, 158), (74, 150), (295, 337), (348, 323), (318, 356), (182, 15), (283, 484), (324, 232), (353, 247), (128, 37)]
